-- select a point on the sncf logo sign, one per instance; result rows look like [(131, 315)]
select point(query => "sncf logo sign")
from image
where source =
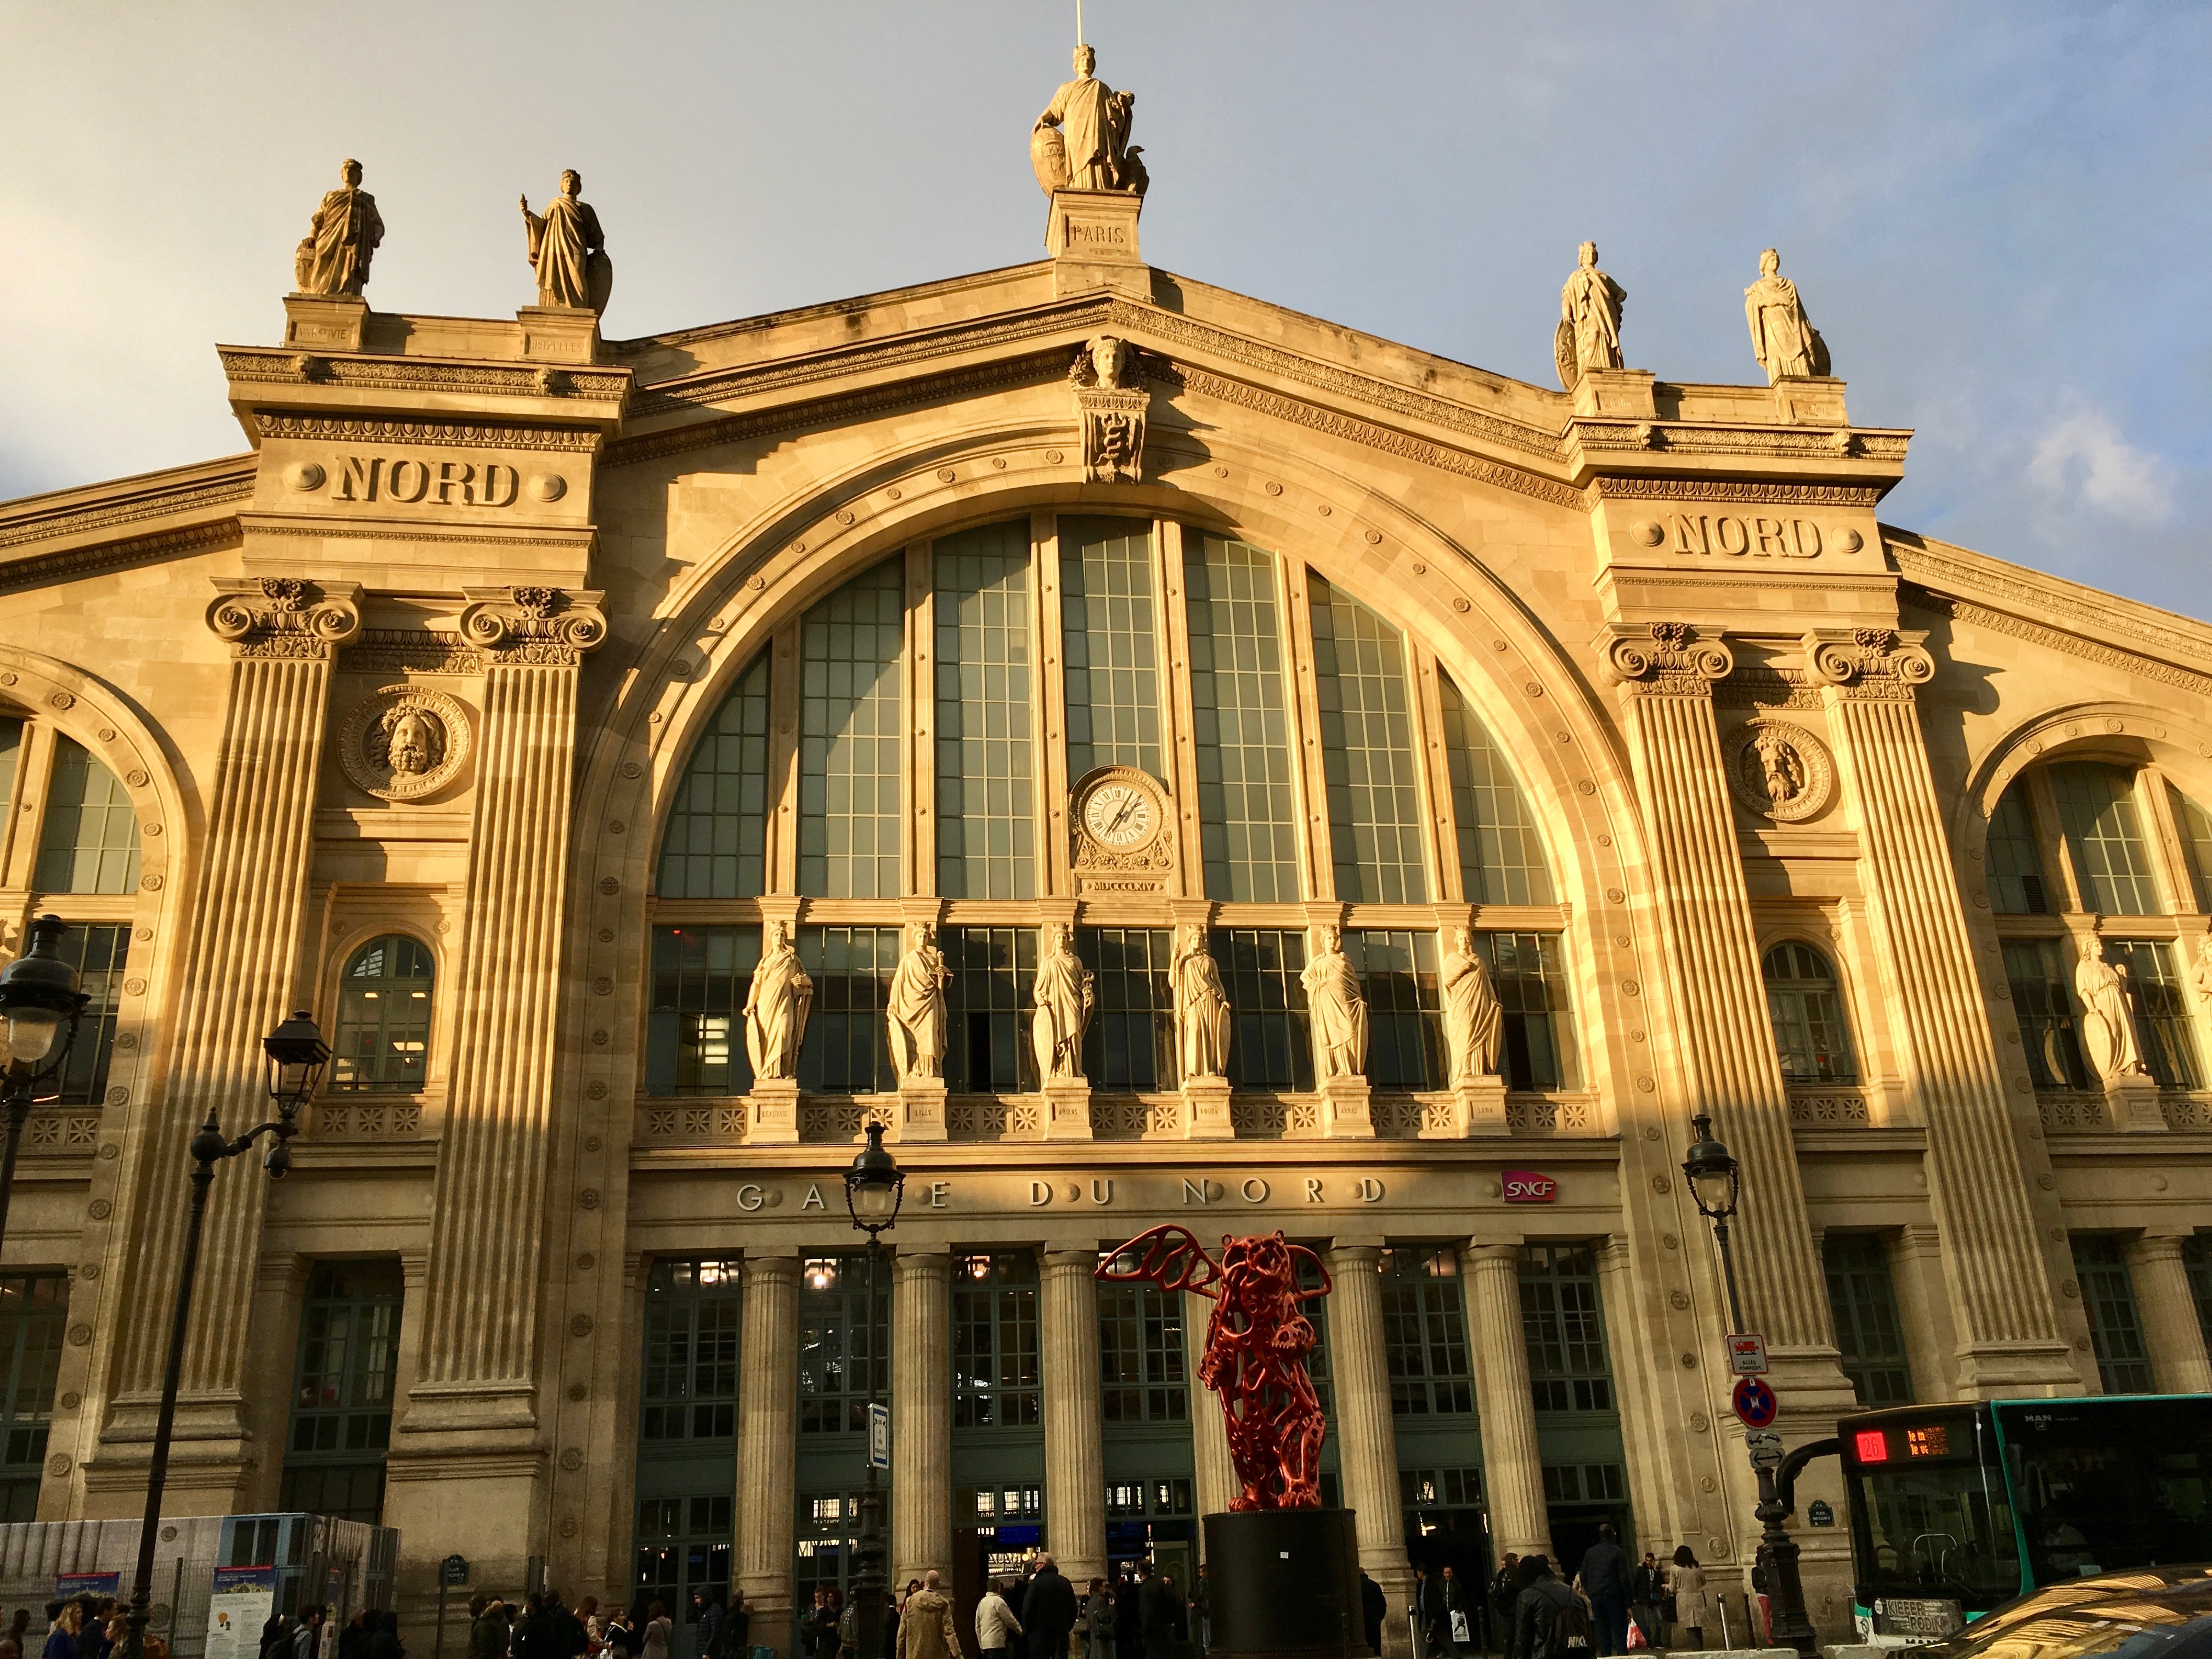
[(1527, 1186)]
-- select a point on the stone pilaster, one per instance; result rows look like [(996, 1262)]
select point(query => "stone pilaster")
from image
[(2008, 1336), (1512, 1468), (1725, 1042), (2172, 1331), (1923, 1305), (1367, 1443), (768, 1445), (1653, 1475), (1074, 1443), (240, 978), (922, 1414), (1217, 1486)]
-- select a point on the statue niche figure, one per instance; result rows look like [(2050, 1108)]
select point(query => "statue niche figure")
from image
[(1588, 334), (2108, 1026), (1783, 337), (342, 237), (776, 1006), (1081, 141), (1338, 1011), (1064, 995), (916, 1007), (1474, 1023), (568, 250), (1201, 1007)]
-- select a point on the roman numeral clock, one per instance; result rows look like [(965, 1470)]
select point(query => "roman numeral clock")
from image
[(1123, 831)]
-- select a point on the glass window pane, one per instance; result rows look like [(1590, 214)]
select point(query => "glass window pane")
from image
[(1270, 1041), (1110, 634), (2194, 822), (1247, 810), (1140, 1354), (2014, 861), (99, 951), (1501, 857), (33, 1312), (847, 1048), (1809, 1028), (1563, 1321), (695, 1041), (88, 842), (1405, 1022), (996, 1364), (693, 1310), (1424, 1349), (1868, 1333), (11, 749), (343, 1378), (1375, 820), (986, 805), (851, 731), (716, 842), (383, 1038), (2097, 806), (2043, 1003), (844, 1341), (1131, 1040), (2163, 1028), (1536, 1017), (988, 1010), (2108, 1296)]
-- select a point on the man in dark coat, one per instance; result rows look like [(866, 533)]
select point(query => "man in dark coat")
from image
[(1048, 1612), (1604, 1575), (1373, 1607), (1129, 1617), (1159, 1612)]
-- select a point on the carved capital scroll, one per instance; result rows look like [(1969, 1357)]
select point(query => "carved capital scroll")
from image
[(544, 625), (1879, 663), (284, 616), (1664, 658)]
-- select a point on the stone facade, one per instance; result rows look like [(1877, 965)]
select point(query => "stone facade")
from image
[(432, 664)]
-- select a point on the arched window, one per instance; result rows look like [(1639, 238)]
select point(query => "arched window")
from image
[(1374, 815), (90, 842), (384, 1017), (1501, 859), (716, 843), (1809, 1027), (852, 648)]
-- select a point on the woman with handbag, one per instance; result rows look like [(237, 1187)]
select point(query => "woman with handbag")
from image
[(1686, 1589)]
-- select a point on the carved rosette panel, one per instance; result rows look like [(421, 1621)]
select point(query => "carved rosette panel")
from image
[(1780, 770), (404, 742), (281, 616), (544, 625), (1870, 662), (1667, 659)]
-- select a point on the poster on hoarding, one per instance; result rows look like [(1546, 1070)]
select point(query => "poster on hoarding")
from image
[(243, 1600), (94, 1584)]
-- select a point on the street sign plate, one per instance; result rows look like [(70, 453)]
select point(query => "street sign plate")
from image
[(1764, 1446), (1747, 1355), (1819, 1514), (879, 1436), (454, 1570), (1754, 1402)]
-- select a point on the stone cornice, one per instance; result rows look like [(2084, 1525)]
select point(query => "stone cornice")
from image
[(47, 569), (2053, 639), (445, 435), (64, 514), (279, 365), (1645, 488)]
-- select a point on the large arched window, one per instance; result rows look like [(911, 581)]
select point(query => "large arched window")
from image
[(384, 1017), (1809, 1027), (89, 843)]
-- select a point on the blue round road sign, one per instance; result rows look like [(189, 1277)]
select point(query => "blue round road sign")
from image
[(1754, 1402)]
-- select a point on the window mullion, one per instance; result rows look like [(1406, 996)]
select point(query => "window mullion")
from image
[(1293, 591), (918, 778), (34, 762), (782, 849), (1443, 836), (2171, 867), (1182, 755), (1054, 877), (2058, 848)]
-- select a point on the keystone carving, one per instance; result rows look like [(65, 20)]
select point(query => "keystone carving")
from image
[(548, 625), (1870, 662), (1110, 405), (1668, 658), (283, 616)]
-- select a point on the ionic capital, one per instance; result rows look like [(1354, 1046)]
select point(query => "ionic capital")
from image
[(1879, 663), (1664, 658), (539, 625), (284, 616)]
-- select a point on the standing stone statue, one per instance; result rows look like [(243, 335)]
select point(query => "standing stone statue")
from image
[(1474, 1023), (2108, 1026), (568, 250), (917, 1007), (2201, 975), (776, 1007), (1338, 1011), (1201, 1007), (1783, 337), (1064, 996), (1588, 334), (333, 256), (1081, 141)]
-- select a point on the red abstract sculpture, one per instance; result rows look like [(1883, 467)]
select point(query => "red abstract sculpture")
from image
[(1257, 1344)]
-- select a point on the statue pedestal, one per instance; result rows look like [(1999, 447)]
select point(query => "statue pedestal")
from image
[(1805, 400), (559, 334), (921, 1110), (1067, 1109), (1345, 1112), (1478, 1109), (1285, 1583), (1092, 239), (1207, 1119), (772, 1113), (2131, 1100), (1618, 392), (324, 322)]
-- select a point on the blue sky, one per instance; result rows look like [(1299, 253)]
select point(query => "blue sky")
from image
[(1998, 215)]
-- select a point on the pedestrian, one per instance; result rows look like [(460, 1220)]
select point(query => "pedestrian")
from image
[(710, 1630), (1156, 1612), (384, 1641), (1645, 1585), (61, 1635), (1374, 1607), (1097, 1625), (656, 1632), (1548, 1621), (995, 1623), (1049, 1611), (1129, 1616), (1201, 1609), (307, 1641), (621, 1638), (1686, 1589), (92, 1641), (1604, 1578), (819, 1636), (1504, 1590), (926, 1628), (1456, 1633), (737, 1626)]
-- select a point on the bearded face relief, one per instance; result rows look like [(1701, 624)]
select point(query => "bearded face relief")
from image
[(402, 742), (415, 741), (1780, 770)]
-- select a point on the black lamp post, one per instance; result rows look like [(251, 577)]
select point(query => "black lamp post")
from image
[(296, 1055), (39, 1000), (1716, 1181), (873, 1186)]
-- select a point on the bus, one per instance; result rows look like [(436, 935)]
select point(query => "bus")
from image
[(1955, 1509)]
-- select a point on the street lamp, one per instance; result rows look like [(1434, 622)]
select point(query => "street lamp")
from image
[(42, 1004), (296, 1054), (873, 1186), (1717, 1183)]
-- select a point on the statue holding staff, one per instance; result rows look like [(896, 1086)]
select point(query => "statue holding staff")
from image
[(776, 1005)]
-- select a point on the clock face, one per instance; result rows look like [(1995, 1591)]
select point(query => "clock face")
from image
[(1120, 815)]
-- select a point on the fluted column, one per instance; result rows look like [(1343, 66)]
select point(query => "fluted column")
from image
[(1216, 1472), (1512, 1467), (2007, 1320), (922, 1414), (2172, 1331), (239, 979), (768, 1445), (1367, 1443), (1074, 1446)]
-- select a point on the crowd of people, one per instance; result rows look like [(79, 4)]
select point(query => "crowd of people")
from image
[(1038, 1613), (1526, 1611)]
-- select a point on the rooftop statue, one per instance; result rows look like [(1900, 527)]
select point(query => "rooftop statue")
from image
[(568, 250), (1783, 337), (1588, 334), (333, 256), (1081, 141)]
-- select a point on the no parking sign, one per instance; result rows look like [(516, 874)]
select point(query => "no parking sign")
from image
[(1754, 1401)]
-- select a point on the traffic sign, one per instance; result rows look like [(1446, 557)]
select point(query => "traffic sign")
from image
[(879, 1436), (453, 1570), (1764, 1446), (1754, 1402), (1747, 1355)]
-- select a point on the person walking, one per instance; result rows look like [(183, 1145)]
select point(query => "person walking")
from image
[(1504, 1589), (927, 1629), (657, 1631), (1693, 1603), (1604, 1576), (1546, 1615), (1157, 1612), (1645, 1586), (1128, 1616), (1048, 1612), (709, 1627), (1374, 1607), (995, 1623), (1099, 1621)]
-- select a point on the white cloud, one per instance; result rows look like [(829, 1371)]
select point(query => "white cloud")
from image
[(2084, 454)]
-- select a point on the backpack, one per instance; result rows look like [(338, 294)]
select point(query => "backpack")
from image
[(1561, 1627), (1570, 1626)]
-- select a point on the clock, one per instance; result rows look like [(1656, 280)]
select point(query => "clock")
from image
[(1120, 815), (1121, 824)]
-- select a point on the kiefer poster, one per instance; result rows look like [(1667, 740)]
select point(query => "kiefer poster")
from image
[(243, 1600)]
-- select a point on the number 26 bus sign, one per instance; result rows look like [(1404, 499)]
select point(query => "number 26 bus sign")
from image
[(1527, 1186)]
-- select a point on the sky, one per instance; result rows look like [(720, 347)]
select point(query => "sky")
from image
[(1999, 215)]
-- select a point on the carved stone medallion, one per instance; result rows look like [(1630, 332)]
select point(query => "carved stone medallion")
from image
[(1124, 841), (1780, 770), (403, 742)]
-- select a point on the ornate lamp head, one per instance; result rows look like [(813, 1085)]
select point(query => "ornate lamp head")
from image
[(40, 1003)]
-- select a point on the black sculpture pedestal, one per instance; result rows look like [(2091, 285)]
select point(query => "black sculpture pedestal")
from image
[(1284, 1584)]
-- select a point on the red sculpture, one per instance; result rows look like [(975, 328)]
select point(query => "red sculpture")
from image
[(1257, 1344)]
